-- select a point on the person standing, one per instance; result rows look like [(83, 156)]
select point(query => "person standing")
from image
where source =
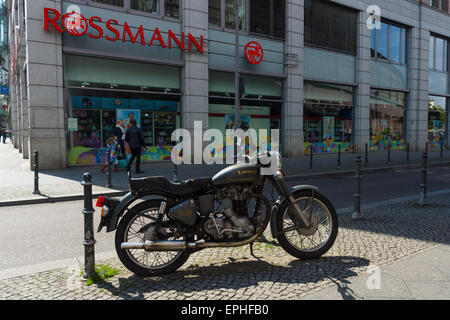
[(3, 134), (135, 139)]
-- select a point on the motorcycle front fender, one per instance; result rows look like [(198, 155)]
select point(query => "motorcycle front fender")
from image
[(279, 203)]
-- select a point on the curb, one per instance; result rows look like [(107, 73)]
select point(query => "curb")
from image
[(308, 176)]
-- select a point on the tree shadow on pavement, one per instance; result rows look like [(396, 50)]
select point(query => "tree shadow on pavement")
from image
[(240, 274)]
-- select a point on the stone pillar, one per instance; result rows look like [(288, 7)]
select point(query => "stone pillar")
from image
[(361, 115), (25, 122), (292, 142), (18, 105), (418, 78), (195, 74), (45, 87)]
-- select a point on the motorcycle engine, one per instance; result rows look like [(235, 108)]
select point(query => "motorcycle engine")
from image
[(232, 221)]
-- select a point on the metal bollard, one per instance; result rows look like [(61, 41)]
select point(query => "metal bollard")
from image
[(389, 153), (339, 157), (89, 241), (423, 185), (442, 148), (36, 172), (366, 160), (357, 214), (407, 152), (108, 170), (311, 158)]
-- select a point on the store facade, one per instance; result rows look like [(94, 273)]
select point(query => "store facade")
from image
[(85, 67)]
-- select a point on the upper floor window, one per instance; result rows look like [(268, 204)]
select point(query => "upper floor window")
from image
[(438, 54), (268, 17), (226, 9), (330, 26), (150, 6), (111, 2), (172, 8), (389, 43)]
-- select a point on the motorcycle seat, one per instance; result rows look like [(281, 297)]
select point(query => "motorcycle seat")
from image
[(145, 185)]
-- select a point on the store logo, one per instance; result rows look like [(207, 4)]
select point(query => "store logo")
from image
[(254, 52), (74, 23)]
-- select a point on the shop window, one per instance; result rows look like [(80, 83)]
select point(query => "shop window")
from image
[(118, 3), (438, 54), (389, 43), (387, 117), (330, 26), (150, 6), (215, 13), (437, 113), (172, 8), (328, 113), (267, 17)]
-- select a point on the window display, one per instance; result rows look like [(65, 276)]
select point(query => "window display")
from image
[(387, 116), (436, 121), (328, 113)]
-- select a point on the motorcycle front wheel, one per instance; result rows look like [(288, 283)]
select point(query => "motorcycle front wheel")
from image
[(136, 226), (315, 241)]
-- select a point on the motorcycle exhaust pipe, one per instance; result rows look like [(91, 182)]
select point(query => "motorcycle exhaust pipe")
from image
[(158, 245)]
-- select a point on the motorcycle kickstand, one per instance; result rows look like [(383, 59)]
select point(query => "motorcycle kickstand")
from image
[(251, 251)]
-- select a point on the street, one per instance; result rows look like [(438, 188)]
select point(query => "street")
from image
[(35, 234)]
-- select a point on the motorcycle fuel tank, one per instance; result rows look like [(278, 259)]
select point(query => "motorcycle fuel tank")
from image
[(241, 173)]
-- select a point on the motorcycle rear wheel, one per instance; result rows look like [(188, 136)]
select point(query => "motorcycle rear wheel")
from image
[(306, 243), (141, 262)]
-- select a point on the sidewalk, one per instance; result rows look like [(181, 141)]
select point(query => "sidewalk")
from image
[(18, 180), (410, 244)]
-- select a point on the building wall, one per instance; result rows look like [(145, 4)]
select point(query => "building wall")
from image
[(39, 120)]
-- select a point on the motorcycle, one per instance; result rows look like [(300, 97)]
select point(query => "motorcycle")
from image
[(162, 222)]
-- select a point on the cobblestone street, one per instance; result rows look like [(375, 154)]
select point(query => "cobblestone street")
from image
[(389, 234)]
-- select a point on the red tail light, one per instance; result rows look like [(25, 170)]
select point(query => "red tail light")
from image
[(100, 202)]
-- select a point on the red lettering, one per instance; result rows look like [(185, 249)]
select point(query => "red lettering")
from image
[(52, 21), (157, 35), (180, 43), (126, 29), (192, 40), (112, 29), (96, 27)]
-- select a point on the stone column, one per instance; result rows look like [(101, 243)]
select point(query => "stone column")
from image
[(195, 74), (18, 104), (418, 78), (45, 87), (361, 115), (25, 122), (292, 142)]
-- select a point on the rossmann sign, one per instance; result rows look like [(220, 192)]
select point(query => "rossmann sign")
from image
[(76, 24)]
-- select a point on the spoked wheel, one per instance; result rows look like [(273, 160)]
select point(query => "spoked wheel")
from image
[(312, 242), (138, 225)]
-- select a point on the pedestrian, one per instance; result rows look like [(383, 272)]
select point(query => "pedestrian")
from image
[(111, 146), (135, 139), (3, 133), (119, 132)]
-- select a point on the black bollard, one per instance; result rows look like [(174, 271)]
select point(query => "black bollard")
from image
[(108, 170), (407, 152), (389, 153), (442, 148), (339, 157), (89, 241), (36, 172), (423, 185), (366, 160), (311, 158), (357, 214)]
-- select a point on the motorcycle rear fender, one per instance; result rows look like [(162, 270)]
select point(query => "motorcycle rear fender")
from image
[(279, 203), (112, 220)]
